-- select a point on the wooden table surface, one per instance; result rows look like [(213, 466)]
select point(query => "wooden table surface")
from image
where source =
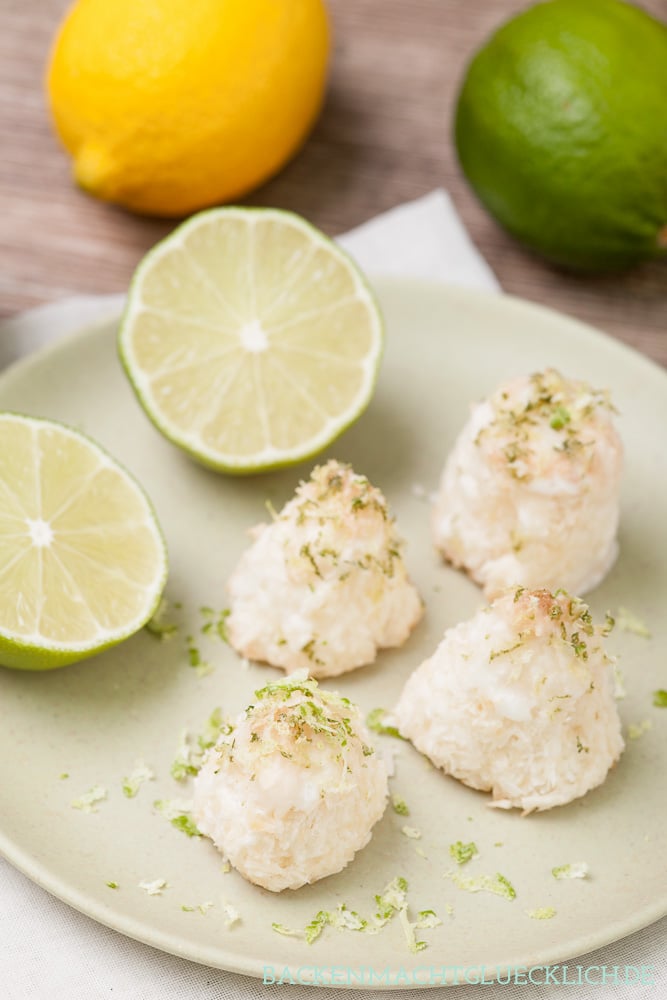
[(384, 138)]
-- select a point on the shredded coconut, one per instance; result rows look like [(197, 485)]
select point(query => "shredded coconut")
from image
[(518, 701), (530, 491), (155, 887), (293, 791), (324, 585)]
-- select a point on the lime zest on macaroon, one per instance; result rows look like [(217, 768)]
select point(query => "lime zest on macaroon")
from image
[(201, 908)]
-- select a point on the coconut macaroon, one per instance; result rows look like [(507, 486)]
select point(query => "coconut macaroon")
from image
[(293, 790), (518, 701), (530, 493), (324, 586)]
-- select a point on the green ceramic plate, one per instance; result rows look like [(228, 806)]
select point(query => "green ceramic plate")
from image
[(93, 720)]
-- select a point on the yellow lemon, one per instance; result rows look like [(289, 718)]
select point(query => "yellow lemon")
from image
[(168, 106)]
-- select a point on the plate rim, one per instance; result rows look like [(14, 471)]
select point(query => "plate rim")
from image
[(132, 928), (377, 281)]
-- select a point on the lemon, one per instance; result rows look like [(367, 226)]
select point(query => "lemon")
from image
[(82, 560), (168, 106), (561, 129), (251, 340)]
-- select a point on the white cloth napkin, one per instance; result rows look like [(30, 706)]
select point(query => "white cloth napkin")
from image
[(49, 951)]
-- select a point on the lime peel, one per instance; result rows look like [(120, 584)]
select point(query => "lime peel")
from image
[(496, 884), (462, 853), (133, 782), (89, 800), (578, 869), (628, 621), (390, 903)]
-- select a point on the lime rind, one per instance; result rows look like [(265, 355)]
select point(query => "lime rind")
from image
[(47, 654), (270, 458)]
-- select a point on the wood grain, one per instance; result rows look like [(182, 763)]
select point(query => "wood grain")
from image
[(384, 137)]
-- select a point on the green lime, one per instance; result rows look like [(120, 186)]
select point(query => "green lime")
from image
[(561, 129), (82, 559), (251, 340)]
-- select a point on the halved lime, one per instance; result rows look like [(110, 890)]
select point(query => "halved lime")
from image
[(82, 558), (251, 340)]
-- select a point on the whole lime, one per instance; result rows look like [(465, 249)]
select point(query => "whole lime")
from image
[(561, 129)]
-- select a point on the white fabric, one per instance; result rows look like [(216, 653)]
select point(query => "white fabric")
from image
[(49, 951), (421, 239)]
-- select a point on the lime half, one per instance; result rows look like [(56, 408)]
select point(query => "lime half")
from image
[(82, 559), (251, 339)]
